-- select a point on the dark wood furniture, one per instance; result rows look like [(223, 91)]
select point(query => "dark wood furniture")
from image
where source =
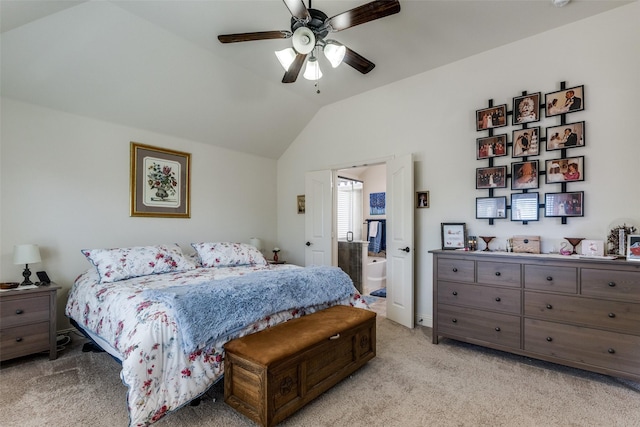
[(578, 312), (271, 374), (28, 322)]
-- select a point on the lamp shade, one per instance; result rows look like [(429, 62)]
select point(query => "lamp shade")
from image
[(26, 254), (256, 243), (312, 72), (334, 52), (286, 57)]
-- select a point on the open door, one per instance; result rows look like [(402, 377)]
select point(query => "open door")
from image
[(318, 218), (400, 292)]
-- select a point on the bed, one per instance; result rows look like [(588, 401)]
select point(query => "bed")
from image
[(166, 316)]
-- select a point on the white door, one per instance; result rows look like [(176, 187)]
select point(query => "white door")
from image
[(400, 247), (318, 218)]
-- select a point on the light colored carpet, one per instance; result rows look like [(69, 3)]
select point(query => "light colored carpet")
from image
[(411, 382)]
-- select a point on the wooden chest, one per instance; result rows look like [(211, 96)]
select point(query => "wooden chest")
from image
[(271, 374)]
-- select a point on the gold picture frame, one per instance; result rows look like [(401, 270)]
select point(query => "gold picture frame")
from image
[(422, 199), (300, 204), (160, 182)]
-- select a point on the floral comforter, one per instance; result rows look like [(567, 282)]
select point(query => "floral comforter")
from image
[(159, 375)]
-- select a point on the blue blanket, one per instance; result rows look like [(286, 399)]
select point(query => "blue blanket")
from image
[(207, 311)]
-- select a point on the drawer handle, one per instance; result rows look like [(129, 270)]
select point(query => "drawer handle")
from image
[(19, 311), (549, 339), (611, 351), (497, 329), (549, 278), (498, 299), (611, 284), (549, 306), (612, 315), (19, 339), (497, 273), (455, 270), (335, 337), (455, 293), (454, 320)]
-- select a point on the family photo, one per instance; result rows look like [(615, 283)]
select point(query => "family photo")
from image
[(492, 177), (565, 136), (526, 108), (525, 142), (492, 117), (565, 170), (491, 146), (564, 101), (563, 204), (524, 175)]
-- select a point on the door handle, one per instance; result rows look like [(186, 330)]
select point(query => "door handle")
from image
[(308, 243), (407, 250)]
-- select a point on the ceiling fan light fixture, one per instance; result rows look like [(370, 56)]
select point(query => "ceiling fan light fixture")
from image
[(286, 57), (303, 40), (334, 52), (559, 3), (312, 71)]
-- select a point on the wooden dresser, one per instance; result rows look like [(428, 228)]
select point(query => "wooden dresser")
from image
[(578, 312), (28, 322)]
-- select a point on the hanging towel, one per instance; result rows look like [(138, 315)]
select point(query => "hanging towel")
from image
[(373, 228), (375, 243)]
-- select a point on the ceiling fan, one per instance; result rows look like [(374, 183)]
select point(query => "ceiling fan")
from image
[(309, 29)]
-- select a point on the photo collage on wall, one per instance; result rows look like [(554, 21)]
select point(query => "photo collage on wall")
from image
[(529, 140)]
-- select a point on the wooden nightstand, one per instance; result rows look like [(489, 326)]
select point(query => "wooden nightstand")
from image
[(28, 322), (270, 261)]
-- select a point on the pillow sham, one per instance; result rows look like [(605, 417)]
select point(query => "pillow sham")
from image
[(226, 254), (118, 264)]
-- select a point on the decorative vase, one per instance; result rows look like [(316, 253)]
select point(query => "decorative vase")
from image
[(162, 193)]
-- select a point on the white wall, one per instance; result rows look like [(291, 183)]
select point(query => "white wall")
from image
[(65, 186), (432, 116)]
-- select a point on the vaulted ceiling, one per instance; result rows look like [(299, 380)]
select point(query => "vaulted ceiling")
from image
[(157, 65)]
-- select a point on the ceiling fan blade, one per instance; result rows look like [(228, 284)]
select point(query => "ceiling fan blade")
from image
[(294, 69), (247, 37), (357, 61), (365, 13), (298, 9)]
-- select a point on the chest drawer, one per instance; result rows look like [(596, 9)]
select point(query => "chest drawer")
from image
[(499, 273), (615, 351), (456, 270), (551, 278), (491, 298), (21, 311), (476, 325), (22, 340), (612, 315), (624, 285)]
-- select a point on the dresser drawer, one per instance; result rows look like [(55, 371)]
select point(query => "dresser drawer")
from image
[(456, 270), (499, 273), (624, 285), (604, 349), (21, 311), (476, 325), (551, 278), (484, 297), (612, 315), (23, 340)]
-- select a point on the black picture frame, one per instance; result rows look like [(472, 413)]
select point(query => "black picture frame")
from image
[(491, 177), (570, 135), (524, 175), (564, 101), (570, 204), (525, 206), (491, 207), (454, 235), (491, 146), (526, 108), (569, 169), (491, 117), (526, 142)]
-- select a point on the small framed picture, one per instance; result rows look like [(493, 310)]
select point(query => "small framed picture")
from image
[(491, 146), (524, 207), (525, 142), (526, 108), (492, 117), (633, 247), (524, 175), (422, 199), (564, 101), (454, 235), (491, 177), (491, 207), (592, 248), (564, 204), (564, 170), (565, 136), (300, 203)]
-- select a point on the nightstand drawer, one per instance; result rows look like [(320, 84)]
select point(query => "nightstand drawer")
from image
[(23, 311), (24, 340)]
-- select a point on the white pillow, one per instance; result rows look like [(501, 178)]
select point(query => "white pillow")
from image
[(124, 263), (225, 254)]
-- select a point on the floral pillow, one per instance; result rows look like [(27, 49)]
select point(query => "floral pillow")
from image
[(228, 254), (124, 263)]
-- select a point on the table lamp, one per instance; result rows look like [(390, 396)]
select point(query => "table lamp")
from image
[(26, 254)]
